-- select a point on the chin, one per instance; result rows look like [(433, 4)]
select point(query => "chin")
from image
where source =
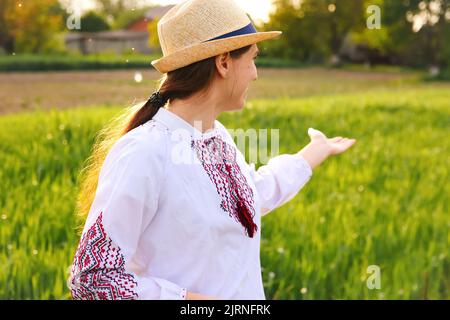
[(243, 102), (237, 106)]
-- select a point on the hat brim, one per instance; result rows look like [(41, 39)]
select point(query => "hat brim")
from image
[(209, 49)]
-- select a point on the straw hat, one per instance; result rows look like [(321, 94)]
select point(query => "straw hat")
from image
[(199, 29)]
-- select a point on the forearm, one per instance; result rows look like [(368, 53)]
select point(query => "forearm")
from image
[(315, 153)]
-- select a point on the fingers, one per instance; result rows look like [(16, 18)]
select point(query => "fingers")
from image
[(345, 143), (341, 139), (348, 142)]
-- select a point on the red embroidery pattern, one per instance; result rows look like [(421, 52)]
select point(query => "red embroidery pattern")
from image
[(219, 160), (98, 271)]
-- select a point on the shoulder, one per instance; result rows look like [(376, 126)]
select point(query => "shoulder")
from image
[(219, 125), (143, 149)]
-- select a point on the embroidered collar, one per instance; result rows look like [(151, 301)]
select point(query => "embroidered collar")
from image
[(177, 124)]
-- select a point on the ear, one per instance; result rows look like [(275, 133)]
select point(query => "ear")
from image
[(223, 64)]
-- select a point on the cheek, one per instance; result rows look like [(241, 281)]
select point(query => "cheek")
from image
[(247, 74), (253, 72), (250, 72)]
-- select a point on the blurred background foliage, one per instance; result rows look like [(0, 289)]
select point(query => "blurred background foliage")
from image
[(414, 33)]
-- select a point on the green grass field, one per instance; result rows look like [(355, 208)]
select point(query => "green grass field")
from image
[(384, 202)]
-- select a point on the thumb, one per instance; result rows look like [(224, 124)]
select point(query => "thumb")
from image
[(313, 133)]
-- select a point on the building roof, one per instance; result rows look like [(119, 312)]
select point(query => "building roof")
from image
[(157, 12)]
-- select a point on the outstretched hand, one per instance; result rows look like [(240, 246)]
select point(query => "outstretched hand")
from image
[(321, 147), (335, 145)]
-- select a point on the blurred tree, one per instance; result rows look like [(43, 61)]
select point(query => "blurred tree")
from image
[(30, 26), (153, 40), (93, 22), (338, 18), (445, 30), (6, 34), (314, 29), (113, 9), (431, 28), (414, 32), (295, 43), (127, 17)]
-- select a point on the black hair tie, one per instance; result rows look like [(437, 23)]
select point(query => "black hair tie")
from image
[(157, 99)]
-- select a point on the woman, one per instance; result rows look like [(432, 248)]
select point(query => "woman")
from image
[(173, 209)]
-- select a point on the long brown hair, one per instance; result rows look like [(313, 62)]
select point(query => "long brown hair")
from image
[(178, 84)]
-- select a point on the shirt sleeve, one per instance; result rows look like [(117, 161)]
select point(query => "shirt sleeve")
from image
[(280, 180), (125, 204)]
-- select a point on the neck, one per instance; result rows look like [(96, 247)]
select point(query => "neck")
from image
[(199, 111)]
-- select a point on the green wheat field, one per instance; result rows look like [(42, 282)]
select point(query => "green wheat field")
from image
[(382, 203)]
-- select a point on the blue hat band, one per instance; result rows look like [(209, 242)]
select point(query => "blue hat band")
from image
[(248, 29)]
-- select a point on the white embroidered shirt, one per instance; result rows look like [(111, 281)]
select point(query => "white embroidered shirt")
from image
[(179, 210)]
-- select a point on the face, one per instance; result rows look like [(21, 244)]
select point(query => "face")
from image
[(240, 73)]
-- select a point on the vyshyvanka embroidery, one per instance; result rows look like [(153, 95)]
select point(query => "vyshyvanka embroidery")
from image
[(98, 270), (219, 160)]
